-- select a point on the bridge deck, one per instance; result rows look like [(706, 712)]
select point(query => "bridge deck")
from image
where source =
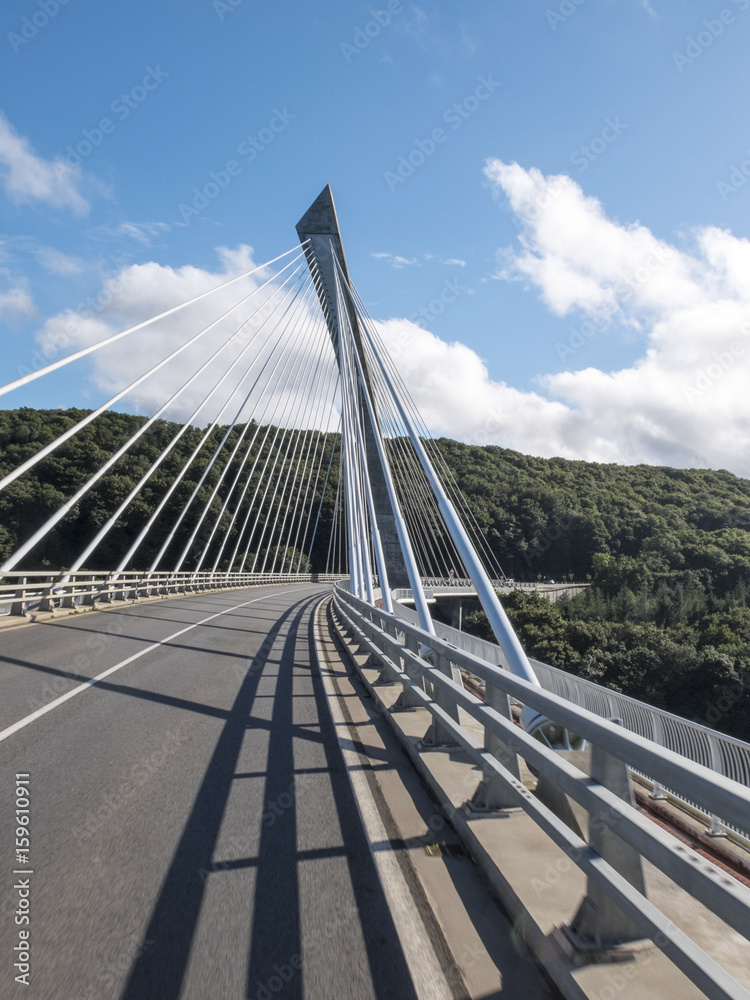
[(194, 831)]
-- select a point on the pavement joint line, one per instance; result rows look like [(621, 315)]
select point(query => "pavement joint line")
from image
[(22, 723), (424, 965)]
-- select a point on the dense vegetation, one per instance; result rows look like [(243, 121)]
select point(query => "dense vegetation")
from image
[(28, 502), (667, 550)]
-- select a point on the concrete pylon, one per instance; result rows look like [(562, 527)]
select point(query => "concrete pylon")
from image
[(319, 225)]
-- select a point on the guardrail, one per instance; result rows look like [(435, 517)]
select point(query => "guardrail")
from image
[(39, 591), (721, 753), (398, 644)]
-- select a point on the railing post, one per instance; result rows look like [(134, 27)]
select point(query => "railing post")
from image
[(437, 735), (408, 698), (600, 925), (385, 676), (88, 599), (492, 793), (104, 596), (18, 606), (47, 603)]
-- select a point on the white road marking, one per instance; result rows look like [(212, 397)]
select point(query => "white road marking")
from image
[(424, 966), (22, 723)]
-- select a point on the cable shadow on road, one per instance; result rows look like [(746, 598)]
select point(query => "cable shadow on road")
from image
[(159, 970), (388, 967)]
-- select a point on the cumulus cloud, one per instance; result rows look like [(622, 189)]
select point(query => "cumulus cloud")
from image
[(139, 292), (28, 178), (16, 304), (684, 402)]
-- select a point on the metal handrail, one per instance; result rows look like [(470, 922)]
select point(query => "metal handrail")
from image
[(396, 642), (46, 592), (725, 754)]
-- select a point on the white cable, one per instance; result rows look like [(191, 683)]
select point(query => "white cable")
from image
[(183, 471), (241, 533), (309, 379), (109, 524), (227, 500), (43, 452), (139, 326), (221, 476)]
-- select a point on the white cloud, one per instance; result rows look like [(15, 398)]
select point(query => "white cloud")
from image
[(684, 402), (455, 262), (141, 291), (142, 231), (16, 304), (58, 262), (28, 178), (395, 261)]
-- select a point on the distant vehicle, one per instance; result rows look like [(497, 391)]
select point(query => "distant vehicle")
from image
[(549, 581)]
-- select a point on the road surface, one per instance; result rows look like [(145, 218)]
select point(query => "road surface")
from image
[(193, 829)]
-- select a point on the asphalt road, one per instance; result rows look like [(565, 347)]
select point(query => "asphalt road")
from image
[(193, 830)]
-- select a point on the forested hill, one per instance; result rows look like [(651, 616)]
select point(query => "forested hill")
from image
[(555, 517), (667, 619), (667, 550), (616, 525)]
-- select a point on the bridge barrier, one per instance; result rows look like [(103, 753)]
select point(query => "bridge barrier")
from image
[(398, 644), (724, 754), (39, 591)]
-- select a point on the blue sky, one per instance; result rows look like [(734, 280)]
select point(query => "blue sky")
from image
[(640, 104)]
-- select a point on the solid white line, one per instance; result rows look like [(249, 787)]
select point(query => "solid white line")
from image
[(424, 967), (22, 723)]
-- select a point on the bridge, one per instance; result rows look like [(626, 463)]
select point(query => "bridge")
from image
[(241, 759)]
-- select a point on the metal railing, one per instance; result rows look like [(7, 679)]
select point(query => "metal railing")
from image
[(397, 644), (724, 754), (39, 591)]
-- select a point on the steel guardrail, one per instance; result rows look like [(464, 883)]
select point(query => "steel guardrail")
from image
[(389, 637), (38, 590), (725, 754)]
